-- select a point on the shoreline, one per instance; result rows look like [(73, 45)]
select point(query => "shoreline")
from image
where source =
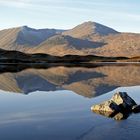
[(72, 63)]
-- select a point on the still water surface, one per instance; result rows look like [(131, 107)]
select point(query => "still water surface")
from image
[(54, 103)]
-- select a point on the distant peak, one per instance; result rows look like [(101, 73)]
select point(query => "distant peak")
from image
[(27, 28), (90, 28), (92, 23), (97, 28), (88, 22)]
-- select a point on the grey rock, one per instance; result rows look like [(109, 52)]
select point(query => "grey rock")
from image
[(119, 107), (107, 106), (122, 98)]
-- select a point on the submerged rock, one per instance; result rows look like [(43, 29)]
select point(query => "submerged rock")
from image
[(119, 107)]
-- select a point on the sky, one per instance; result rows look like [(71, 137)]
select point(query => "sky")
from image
[(122, 15)]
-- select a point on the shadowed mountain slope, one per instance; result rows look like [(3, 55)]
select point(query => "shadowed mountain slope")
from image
[(63, 45)]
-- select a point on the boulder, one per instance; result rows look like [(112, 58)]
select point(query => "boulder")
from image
[(107, 106), (122, 99), (119, 107), (104, 113)]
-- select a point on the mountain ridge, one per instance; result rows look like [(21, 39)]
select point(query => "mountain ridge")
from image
[(88, 38)]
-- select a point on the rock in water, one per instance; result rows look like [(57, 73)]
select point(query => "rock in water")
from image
[(107, 106), (119, 106), (122, 98)]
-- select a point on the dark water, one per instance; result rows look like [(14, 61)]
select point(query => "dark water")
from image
[(54, 103)]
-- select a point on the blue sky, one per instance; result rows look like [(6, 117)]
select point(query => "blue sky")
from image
[(122, 15)]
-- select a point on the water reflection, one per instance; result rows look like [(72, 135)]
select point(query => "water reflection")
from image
[(116, 115), (85, 81), (63, 114)]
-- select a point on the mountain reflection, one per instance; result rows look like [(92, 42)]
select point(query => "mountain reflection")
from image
[(85, 81)]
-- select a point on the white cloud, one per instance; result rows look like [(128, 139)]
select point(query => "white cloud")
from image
[(15, 3)]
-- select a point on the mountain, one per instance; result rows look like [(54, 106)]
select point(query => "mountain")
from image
[(20, 37), (124, 44), (87, 29), (89, 38), (8, 37), (34, 37), (114, 43)]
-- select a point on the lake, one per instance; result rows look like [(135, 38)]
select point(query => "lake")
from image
[(53, 103)]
